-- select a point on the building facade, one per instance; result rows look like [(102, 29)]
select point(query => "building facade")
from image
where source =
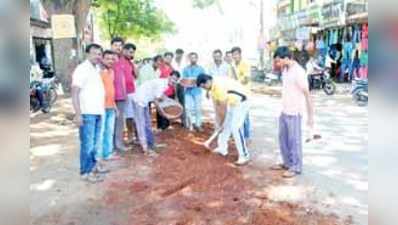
[(336, 27), (41, 41), (298, 19)]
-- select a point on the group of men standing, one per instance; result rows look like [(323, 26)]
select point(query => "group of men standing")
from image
[(108, 99), (111, 94)]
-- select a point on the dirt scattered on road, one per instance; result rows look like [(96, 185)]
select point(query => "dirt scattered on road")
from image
[(274, 91), (189, 185), (185, 185)]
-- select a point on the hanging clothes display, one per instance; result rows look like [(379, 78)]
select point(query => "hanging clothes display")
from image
[(364, 64), (364, 41), (356, 66), (348, 46), (347, 60)]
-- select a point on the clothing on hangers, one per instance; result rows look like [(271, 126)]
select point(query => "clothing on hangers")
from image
[(364, 43), (356, 65), (365, 31), (347, 52), (364, 37), (364, 58), (356, 34), (363, 71)]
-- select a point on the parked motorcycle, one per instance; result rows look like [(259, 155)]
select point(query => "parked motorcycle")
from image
[(360, 91), (44, 91), (272, 79), (323, 81)]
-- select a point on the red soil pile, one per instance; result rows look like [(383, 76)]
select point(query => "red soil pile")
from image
[(188, 185)]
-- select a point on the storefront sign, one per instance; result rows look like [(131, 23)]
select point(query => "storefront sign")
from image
[(333, 14), (315, 15), (288, 23), (302, 18), (354, 8), (40, 32), (63, 26)]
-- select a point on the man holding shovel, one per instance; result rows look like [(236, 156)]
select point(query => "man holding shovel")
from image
[(231, 97)]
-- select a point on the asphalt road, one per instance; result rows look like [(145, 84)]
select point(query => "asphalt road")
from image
[(335, 176)]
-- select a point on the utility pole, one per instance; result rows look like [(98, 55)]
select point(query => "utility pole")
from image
[(261, 45)]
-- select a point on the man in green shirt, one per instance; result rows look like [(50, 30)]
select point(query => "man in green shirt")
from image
[(150, 71)]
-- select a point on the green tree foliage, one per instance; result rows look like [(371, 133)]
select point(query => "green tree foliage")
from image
[(202, 4), (132, 18)]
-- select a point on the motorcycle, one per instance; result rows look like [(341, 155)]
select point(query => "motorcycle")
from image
[(323, 81), (44, 91), (360, 91), (272, 79)]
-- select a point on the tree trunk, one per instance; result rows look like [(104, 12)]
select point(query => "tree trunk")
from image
[(64, 61)]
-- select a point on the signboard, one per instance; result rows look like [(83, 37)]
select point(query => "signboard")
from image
[(314, 14), (288, 23), (63, 26), (302, 17), (354, 8), (333, 14)]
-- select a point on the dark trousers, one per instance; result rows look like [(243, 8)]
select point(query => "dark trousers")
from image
[(162, 122), (181, 100)]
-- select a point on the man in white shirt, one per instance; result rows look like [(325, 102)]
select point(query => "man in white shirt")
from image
[(295, 94), (313, 69), (218, 68), (178, 63), (228, 58), (88, 96), (149, 91)]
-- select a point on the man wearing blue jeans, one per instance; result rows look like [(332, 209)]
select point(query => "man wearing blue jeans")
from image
[(88, 102), (193, 94), (105, 148)]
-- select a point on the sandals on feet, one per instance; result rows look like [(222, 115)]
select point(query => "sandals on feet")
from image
[(279, 167), (289, 174)]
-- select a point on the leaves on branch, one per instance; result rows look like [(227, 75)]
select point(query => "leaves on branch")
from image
[(132, 18)]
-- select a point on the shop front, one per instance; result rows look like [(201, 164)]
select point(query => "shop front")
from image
[(357, 21), (41, 42), (343, 38), (41, 46), (287, 26), (308, 25)]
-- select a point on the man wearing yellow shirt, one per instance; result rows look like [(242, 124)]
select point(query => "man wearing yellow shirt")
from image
[(241, 73), (233, 97)]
